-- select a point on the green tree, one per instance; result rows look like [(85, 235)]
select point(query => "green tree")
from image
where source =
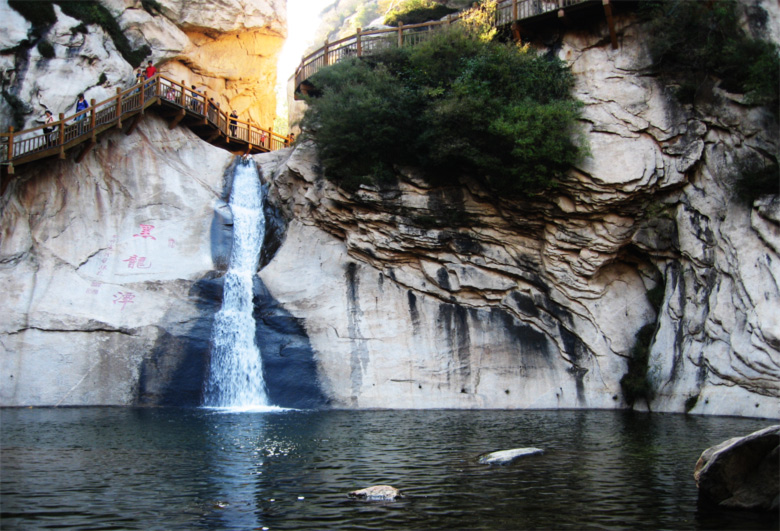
[(690, 41), (453, 105)]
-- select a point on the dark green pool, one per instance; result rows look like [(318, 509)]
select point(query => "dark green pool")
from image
[(113, 468)]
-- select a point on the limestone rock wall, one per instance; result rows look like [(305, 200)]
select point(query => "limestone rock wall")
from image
[(101, 266), (229, 50), (450, 297), (407, 296)]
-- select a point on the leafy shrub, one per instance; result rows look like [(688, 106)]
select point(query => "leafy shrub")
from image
[(102, 79), (690, 402), (756, 176), (655, 296), (40, 14), (452, 105), (692, 40), (18, 108), (46, 49), (635, 384), (417, 12), (152, 7)]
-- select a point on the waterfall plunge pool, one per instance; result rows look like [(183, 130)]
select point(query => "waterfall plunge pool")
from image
[(127, 468)]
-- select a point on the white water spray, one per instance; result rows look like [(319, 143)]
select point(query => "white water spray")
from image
[(236, 372)]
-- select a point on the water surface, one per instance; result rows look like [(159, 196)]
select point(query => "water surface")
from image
[(116, 468)]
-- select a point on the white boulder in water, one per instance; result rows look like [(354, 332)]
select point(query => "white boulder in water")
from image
[(507, 456), (377, 492)]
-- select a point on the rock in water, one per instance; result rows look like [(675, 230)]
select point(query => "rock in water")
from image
[(377, 492), (507, 456), (742, 472)]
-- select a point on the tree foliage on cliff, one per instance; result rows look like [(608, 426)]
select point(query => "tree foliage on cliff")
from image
[(416, 12), (690, 41), (450, 106)]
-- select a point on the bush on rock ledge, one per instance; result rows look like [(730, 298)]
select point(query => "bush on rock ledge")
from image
[(450, 106)]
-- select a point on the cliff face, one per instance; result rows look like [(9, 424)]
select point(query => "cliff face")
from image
[(99, 265), (452, 297), (413, 296), (229, 50)]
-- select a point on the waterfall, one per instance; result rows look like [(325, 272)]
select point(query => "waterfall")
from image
[(235, 377)]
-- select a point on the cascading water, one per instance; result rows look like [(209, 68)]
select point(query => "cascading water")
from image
[(236, 373)]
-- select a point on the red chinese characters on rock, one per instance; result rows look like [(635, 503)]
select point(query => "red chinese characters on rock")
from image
[(137, 262), (124, 298), (146, 232), (171, 243)]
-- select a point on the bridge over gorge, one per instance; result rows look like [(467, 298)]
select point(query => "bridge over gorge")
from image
[(171, 99), (518, 16)]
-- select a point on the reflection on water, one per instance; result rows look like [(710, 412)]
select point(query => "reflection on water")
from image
[(117, 468)]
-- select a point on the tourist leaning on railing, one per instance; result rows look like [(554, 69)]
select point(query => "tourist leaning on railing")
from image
[(48, 131)]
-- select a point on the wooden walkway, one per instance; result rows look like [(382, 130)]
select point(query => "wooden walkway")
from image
[(171, 99), (516, 14)]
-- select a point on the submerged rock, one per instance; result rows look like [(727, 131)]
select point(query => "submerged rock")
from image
[(507, 456), (377, 492), (742, 472)]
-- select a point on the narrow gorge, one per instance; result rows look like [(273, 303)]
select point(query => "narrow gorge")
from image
[(399, 296)]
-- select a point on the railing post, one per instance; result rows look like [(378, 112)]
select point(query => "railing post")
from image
[(143, 92), (119, 105), (10, 143), (359, 44), (157, 86), (514, 10), (92, 115), (206, 103), (325, 53), (400, 34), (61, 139)]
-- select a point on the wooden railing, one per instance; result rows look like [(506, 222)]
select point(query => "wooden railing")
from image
[(365, 43), (30, 144)]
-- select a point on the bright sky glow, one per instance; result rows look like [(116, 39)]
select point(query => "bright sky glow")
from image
[(303, 17)]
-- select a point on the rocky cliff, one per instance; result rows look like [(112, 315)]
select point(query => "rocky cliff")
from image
[(413, 296), (229, 50), (452, 297)]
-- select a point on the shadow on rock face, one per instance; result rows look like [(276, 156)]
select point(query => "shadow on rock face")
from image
[(288, 359), (174, 372)]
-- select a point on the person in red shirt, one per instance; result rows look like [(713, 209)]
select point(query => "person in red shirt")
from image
[(150, 70)]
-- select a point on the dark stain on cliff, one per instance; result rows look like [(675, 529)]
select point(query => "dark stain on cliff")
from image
[(414, 313), (452, 320), (576, 350), (275, 230), (359, 351), (459, 242), (443, 279), (529, 339), (525, 304)]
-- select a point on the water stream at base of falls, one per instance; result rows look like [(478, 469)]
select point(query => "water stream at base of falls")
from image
[(235, 376)]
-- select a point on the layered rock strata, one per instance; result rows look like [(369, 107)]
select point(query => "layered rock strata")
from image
[(452, 297), (413, 296)]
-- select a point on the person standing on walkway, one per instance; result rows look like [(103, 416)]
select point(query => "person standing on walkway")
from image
[(233, 122), (150, 70), (48, 128), (81, 104)]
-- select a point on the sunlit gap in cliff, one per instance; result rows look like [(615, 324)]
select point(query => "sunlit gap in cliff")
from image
[(235, 377)]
